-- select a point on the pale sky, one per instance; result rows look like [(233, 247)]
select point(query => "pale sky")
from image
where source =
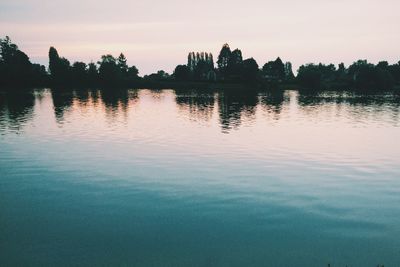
[(156, 34)]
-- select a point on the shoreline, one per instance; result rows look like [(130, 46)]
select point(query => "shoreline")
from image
[(199, 85)]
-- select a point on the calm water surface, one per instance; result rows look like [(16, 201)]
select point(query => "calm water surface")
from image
[(191, 178)]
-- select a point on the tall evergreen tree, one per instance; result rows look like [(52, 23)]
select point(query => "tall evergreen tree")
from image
[(59, 67), (224, 57), (121, 62)]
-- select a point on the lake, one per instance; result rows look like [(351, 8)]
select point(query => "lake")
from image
[(199, 178)]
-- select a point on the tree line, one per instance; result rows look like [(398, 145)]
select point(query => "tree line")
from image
[(109, 71), (359, 75), (17, 70), (231, 67)]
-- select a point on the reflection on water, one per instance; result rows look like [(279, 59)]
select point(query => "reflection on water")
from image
[(62, 101), (272, 102), (199, 178), (197, 105), (235, 107), (16, 108)]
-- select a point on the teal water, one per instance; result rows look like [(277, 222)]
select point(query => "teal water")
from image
[(192, 178)]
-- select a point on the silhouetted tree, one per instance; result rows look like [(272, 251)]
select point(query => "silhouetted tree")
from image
[(191, 61), (159, 76), (274, 70), (199, 64), (223, 58), (309, 76), (235, 65), (182, 73), (289, 76), (39, 74), (384, 65), (235, 57), (92, 73), (395, 72), (367, 76), (133, 72), (250, 70), (201, 70), (123, 66), (109, 71), (342, 77), (79, 72), (16, 68), (7, 49), (59, 67), (316, 76), (341, 69)]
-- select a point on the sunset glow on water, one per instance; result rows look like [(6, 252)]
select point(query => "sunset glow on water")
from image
[(199, 178)]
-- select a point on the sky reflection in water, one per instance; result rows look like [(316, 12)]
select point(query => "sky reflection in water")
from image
[(199, 178)]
